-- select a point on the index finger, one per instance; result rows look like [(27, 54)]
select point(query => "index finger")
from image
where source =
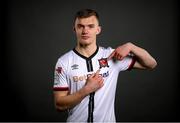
[(111, 55), (97, 72)]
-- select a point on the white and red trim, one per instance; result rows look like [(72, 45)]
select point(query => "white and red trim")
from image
[(132, 63), (61, 88)]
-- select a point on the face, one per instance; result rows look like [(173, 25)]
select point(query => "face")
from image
[(86, 30)]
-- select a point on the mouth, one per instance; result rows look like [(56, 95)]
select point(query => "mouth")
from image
[(85, 37)]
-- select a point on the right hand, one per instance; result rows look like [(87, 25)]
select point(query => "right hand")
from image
[(94, 82), (121, 52)]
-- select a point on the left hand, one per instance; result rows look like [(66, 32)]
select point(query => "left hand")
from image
[(120, 52)]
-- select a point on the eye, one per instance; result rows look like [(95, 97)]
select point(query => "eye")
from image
[(80, 26), (91, 26)]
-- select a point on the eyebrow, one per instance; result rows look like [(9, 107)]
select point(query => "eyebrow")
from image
[(86, 25)]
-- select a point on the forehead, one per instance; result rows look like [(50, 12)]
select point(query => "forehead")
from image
[(86, 21)]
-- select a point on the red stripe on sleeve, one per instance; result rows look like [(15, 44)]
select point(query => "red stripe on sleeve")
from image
[(132, 63), (61, 88)]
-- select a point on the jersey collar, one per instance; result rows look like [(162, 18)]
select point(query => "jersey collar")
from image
[(84, 57)]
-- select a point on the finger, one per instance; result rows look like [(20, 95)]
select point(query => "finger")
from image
[(111, 55), (101, 83), (116, 55), (97, 72), (92, 75), (119, 57), (99, 78)]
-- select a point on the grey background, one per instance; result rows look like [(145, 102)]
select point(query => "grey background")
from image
[(36, 33)]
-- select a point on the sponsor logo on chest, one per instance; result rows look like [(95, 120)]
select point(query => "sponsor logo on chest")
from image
[(84, 77)]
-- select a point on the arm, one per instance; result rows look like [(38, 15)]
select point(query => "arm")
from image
[(64, 101), (144, 59)]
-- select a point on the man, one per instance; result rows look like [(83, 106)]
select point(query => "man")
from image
[(89, 69)]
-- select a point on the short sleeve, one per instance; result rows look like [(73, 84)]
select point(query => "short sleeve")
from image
[(121, 65), (132, 62), (60, 78), (126, 64)]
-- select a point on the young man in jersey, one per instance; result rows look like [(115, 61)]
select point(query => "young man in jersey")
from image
[(89, 69)]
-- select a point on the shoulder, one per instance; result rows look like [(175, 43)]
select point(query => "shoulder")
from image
[(65, 57), (106, 50)]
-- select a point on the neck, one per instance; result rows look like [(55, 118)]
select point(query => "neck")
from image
[(86, 50)]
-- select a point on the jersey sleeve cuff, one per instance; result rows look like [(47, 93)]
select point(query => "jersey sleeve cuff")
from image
[(60, 88), (132, 63)]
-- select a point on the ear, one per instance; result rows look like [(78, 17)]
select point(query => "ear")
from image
[(74, 29), (98, 30)]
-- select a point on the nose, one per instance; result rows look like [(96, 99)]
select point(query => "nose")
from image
[(85, 30)]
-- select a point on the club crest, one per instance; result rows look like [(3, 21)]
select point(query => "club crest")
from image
[(103, 62)]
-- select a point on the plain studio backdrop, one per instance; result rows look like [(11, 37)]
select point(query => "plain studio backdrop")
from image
[(35, 33)]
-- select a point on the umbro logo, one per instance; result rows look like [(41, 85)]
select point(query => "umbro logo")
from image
[(75, 66)]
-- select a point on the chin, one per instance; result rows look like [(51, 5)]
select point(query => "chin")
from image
[(85, 42)]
